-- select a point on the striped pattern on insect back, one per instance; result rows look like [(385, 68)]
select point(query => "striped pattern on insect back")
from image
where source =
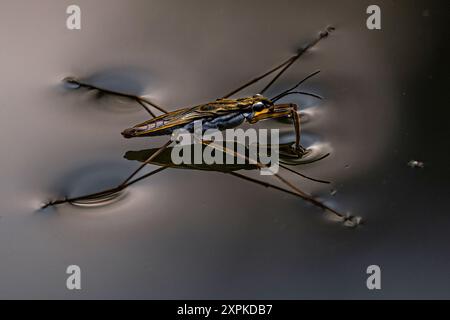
[(220, 114)]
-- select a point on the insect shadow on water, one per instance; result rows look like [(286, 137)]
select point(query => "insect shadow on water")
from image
[(223, 113)]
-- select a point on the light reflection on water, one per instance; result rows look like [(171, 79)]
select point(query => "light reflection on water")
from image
[(184, 234)]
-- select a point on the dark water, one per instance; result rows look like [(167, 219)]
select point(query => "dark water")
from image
[(193, 234)]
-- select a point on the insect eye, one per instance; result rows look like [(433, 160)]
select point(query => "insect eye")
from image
[(258, 106)]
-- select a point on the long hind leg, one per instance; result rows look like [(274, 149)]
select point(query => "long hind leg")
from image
[(295, 190), (283, 67)]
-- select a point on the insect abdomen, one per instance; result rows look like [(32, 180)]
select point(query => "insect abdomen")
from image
[(220, 123)]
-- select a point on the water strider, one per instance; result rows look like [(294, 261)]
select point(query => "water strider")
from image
[(223, 113)]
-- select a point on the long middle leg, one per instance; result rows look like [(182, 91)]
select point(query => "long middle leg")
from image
[(141, 100), (123, 185)]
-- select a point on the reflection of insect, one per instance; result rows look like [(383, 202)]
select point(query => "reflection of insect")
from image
[(224, 113)]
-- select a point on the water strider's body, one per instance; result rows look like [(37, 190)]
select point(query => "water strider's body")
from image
[(221, 114)]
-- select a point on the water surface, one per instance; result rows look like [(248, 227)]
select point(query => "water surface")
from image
[(194, 234)]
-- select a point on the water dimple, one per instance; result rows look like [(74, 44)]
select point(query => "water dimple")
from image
[(100, 200), (416, 164), (352, 221), (71, 83), (347, 220), (314, 153), (96, 184), (306, 116)]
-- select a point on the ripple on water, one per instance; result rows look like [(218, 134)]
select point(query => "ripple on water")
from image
[(71, 83), (101, 200), (314, 153)]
